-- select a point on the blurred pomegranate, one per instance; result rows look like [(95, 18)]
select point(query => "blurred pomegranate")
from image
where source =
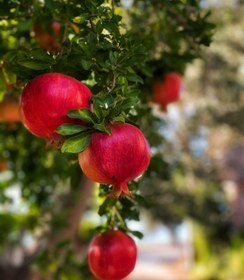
[(46, 40), (9, 111), (167, 91)]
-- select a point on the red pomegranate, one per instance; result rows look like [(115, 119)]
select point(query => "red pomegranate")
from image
[(45, 40), (56, 27), (112, 255), (168, 90), (47, 99), (116, 159), (9, 111), (3, 166)]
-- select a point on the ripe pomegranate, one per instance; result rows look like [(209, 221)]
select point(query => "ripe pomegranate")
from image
[(47, 99), (45, 40), (116, 159), (9, 111), (56, 28), (3, 166), (112, 255), (168, 90)]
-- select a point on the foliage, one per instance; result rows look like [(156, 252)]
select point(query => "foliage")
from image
[(105, 46), (223, 263)]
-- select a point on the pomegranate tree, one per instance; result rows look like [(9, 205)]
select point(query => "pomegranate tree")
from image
[(168, 90), (47, 99), (89, 40), (112, 255), (116, 158)]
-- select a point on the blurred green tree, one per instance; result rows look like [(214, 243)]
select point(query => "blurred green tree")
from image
[(215, 99)]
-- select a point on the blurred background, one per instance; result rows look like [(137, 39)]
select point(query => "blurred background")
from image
[(193, 216), (205, 134)]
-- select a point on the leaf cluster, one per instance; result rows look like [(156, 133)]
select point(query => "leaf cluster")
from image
[(116, 53), (119, 212)]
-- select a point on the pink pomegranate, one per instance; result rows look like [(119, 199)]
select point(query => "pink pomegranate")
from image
[(168, 90), (112, 255), (116, 159), (47, 99)]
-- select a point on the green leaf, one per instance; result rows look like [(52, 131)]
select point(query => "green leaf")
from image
[(104, 100), (136, 233), (70, 129), (119, 118), (99, 27), (134, 78), (99, 112), (76, 144), (106, 206), (9, 76), (82, 114), (141, 200), (85, 48), (2, 87), (86, 64), (102, 128), (130, 102), (41, 55), (35, 65), (90, 5), (24, 26), (113, 56)]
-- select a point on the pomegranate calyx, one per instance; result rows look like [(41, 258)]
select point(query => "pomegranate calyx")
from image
[(55, 140), (164, 108), (119, 191)]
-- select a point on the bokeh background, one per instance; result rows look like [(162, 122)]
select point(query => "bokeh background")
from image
[(193, 214)]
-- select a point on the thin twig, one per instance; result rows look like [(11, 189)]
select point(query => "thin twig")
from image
[(113, 6), (113, 83), (115, 210), (92, 26), (65, 36)]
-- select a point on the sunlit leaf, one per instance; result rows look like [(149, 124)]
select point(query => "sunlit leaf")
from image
[(76, 144)]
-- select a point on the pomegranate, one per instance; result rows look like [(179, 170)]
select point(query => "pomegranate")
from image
[(112, 255), (47, 99), (45, 40), (3, 166), (116, 159), (168, 90), (56, 28), (9, 111)]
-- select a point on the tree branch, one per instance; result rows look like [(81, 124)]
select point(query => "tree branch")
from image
[(74, 207)]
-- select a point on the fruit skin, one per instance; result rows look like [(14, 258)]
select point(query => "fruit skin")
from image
[(47, 99), (116, 159), (9, 111), (168, 90), (112, 255)]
